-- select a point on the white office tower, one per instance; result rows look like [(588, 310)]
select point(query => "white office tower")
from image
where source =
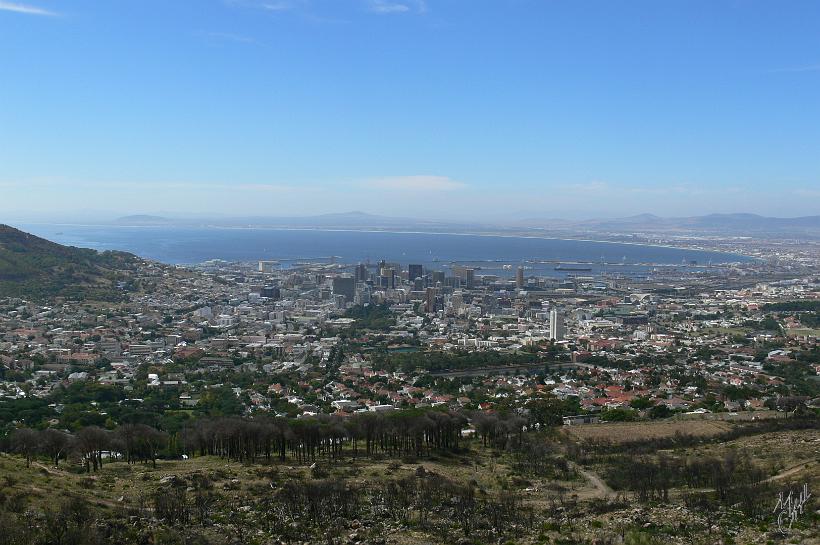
[(363, 295), (457, 302), (556, 325)]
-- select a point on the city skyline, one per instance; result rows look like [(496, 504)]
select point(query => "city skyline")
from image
[(429, 109)]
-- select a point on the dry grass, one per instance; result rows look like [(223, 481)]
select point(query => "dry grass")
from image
[(795, 453), (624, 432)]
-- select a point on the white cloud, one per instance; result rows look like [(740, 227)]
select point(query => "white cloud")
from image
[(415, 183), (24, 8), (384, 6), (276, 6), (270, 5)]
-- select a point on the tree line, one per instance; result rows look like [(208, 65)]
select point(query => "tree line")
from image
[(398, 433), (412, 433), (134, 443)]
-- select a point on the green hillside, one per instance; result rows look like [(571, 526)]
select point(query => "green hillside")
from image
[(35, 268)]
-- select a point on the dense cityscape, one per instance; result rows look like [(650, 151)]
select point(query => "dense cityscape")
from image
[(165, 361), (333, 338)]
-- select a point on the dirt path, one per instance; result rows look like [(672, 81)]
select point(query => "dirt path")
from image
[(51, 470), (602, 490), (790, 471)]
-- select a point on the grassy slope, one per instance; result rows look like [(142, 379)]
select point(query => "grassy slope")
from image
[(33, 267)]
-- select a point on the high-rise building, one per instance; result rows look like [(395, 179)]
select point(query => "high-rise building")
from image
[(360, 273), (344, 285), (414, 271), (457, 301), (556, 325), (430, 300), (519, 278), (363, 294), (465, 274), (469, 278), (271, 292), (387, 277)]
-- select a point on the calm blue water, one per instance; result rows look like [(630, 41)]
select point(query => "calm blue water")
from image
[(489, 253)]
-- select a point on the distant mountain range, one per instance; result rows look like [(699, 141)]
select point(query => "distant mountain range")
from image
[(341, 220), (34, 268), (144, 219), (724, 224)]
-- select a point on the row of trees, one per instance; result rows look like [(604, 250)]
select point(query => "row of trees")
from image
[(404, 433), (91, 445), (400, 433)]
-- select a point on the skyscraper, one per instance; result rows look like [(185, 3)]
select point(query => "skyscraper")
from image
[(271, 292), (361, 272), (469, 278), (430, 300), (345, 285), (387, 277), (519, 277), (556, 325), (465, 274), (363, 294), (414, 271)]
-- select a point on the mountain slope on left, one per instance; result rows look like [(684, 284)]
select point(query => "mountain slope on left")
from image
[(35, 268)]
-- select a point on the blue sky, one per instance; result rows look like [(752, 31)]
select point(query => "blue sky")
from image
[(427, 108)]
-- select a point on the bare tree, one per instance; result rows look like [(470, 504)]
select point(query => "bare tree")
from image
[(25, 441), (90, 443), (55, 444)]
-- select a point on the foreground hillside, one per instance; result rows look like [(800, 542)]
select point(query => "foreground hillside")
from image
[(557, 491), (35, 268)]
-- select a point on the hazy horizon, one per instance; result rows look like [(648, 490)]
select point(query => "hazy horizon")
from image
[(429, 109)]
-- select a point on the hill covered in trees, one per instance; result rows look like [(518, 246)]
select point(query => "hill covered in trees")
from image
[(34, 268)]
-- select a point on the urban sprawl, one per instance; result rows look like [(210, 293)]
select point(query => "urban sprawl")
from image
[(331, 338)]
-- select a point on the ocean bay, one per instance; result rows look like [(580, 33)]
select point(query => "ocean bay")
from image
[(486, 253)]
